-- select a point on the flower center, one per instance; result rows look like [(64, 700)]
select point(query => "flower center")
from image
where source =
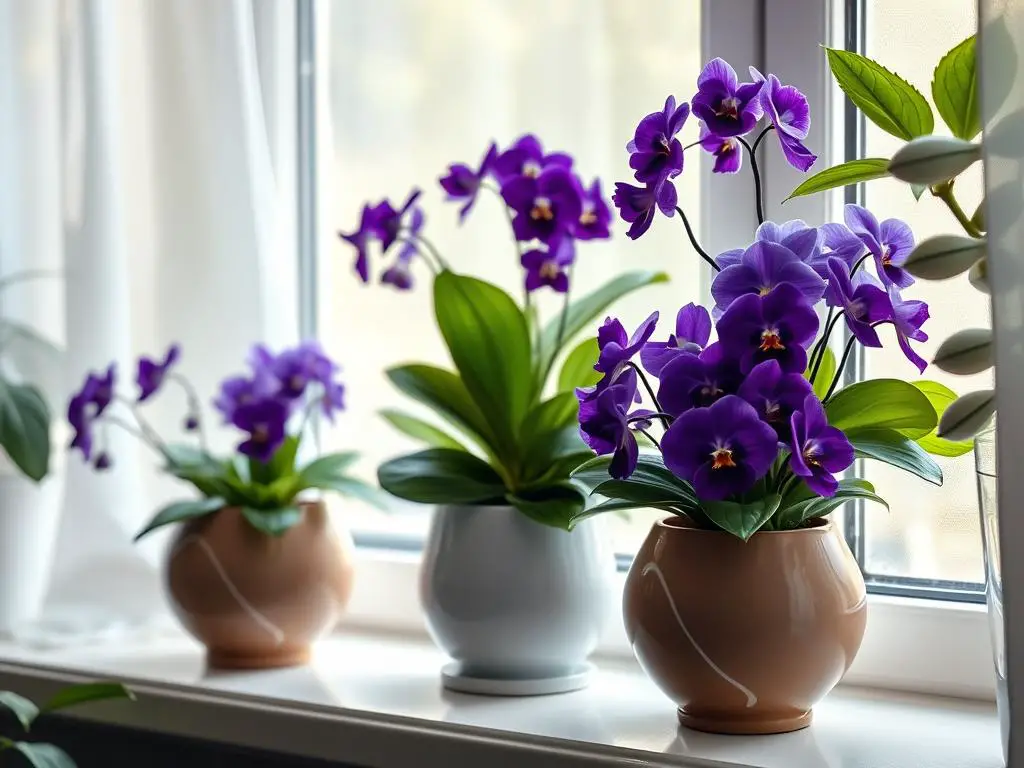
[(531, 169), (541, 210), (729, 107), (260, 432), (726, 146), (886, 256), (296, 383), (856, 309), (772, 411), (549, 270), (722, 458), (588, 216), (661, 145), (811, 453), (770, 339), (764, 290), (710, 392)]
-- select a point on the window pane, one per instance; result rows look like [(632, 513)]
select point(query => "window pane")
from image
[(931, 532), (413, 85)]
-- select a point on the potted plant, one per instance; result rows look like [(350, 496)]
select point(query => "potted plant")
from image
[(514, 599), (29, 503), (255, 571), (744, 605), (25, 712)]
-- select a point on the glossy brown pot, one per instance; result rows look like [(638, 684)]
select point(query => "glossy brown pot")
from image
[(744, 637), (257, 601)]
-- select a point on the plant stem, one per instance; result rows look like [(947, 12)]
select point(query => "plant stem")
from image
[(654, 398), (860, 261), (194, 407), (831, 323), (760, 137), (147, 429), (421, 240), (131, 430), (649, 436), (945, 194), (508, 216), (564, 316), (433, 267), (757, 179), (649, 416), (694, 243), (839, 369)]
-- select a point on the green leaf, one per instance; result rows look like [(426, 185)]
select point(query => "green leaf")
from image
[(488, 341), (281, 464), (826, 372), (180, 455), (22, 708), (578, 368), (353, 488), (40, 755), (852, 172), (941, 397), (14, 330), (895, 449), (968, 415), (886, 99), (955, 90), (650, 471), (742, 520), (182, 510), (84, 693), (917, 190), (441, 476), (556, 505), (327, 468), (443, 392), (794, 515), (272, 522), (882, 403), (582, 311), (25, 428), (418, 429), (617, 506)]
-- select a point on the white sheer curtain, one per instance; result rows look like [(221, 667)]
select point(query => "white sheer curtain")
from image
[(147, 152)]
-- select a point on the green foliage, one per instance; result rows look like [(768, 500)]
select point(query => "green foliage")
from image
[(941, 397), (826, 372), (742, 519), (25, 428), (896, 449), (418, 429), (886, 99), (180, 511), (441, 476), (557, 505), (955, 90), (797, 509), (882, 403), (851, 172), (578, 368)]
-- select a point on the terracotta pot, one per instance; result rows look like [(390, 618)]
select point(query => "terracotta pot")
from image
[(257, 601), (744, 637)]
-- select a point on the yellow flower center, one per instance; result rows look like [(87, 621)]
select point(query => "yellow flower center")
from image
[(549, 270), (588, 217), (541, 210), (722, 458), (770, 340), (260, 433), (531, 169), (726, 146), (730, 107)]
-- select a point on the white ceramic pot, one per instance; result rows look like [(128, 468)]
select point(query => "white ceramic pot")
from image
[(29, 520)]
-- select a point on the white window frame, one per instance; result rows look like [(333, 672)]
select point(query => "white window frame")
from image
[(927, 646)]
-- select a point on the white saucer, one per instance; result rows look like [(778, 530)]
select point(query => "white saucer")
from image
[(453, 679)]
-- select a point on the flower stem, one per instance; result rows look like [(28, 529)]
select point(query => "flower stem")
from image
[(821, 346), (563, 318), (648, 417), (132, 430), (839, 369), (508, 216), (860, 261), (194, 407), (757, 178), (760, 137), (421, 240), (649, 436), (694, 243), (147, 429), (664, 417), (945, 194), (433, 267)]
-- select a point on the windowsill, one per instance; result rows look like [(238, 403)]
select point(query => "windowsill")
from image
[(375, 700)]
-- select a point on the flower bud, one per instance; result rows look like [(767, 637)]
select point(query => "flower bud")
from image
[(933, 159), (967, 415), (102, 461), (943, 256), (979, 275), (966, 352), (191, 423)]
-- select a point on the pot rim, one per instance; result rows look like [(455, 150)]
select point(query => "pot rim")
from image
[(678, 523)]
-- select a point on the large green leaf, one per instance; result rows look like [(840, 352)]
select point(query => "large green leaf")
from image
[(578, 368), (955, 90), (882, 403), (826, 372), (25, 428), (84, 693), (354, 488), (895, 449), (489, 343), (852, 172), (650, 471), (441, 476), (618, 506), (556, 505), (742, 519), (941, 397), (182, 510), (273, 522), (794, 515), (22, 708), (418, 429), (550, 456), (886, 99), (582, 311), (327, 468), (39, 755), (444, 393)]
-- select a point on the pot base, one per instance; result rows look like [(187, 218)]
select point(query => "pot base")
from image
[(453, 679), (219, 658), (738, 726)]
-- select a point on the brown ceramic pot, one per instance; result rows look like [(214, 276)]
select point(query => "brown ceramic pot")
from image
[(257, 601), (744, 637)]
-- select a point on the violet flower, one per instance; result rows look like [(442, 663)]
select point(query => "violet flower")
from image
[(546, 266), (526, 158), (726, 150), (788, 111), (151, 373), (721, 450), (762, 267), (908, 317), (819, 450), (298, 367), (776, 326), (463, 183), (615, 348), (890, 243), (265, 421), (595, 218), (802, 240), (238, 391), (87, 405), (697, 380), (655, 152), (546, 206), (693, 329), (862, 301), (774, 394), (637, 204), (605, 424), (727, 107), (839, 242), (360, 240), (387, 221), (399, 274)]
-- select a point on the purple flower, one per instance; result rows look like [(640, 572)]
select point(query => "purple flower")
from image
[(722, 450), (802, 240), (87, 405), (774, 394), (300, 366), (151, 373), (776, 326), (360, 240), (239, 391), (526, 158), (399, 274), (655, 152), (693, 329), (546, 206), (463, 183), (863, 303), (890, 243), (696, 381), (546, 266), (839, 242), (595, 218), (605, 424), (616, 348), (819, 451), (727, 152), (727, 107), (763, 267), (265, 421), (908, 317), (637, 204), (787, 109)]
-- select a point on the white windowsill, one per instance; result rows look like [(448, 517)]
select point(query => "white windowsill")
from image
[(374, 700)]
